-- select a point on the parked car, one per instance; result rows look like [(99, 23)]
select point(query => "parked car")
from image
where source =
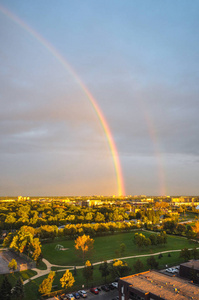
[(76, 295), (105, 288), (94, 290), (115, 284), (70, 297), (82, 293), (172, 270), (111, 287)]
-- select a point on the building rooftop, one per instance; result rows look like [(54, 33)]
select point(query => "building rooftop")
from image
[(192, 264), (164, 286)]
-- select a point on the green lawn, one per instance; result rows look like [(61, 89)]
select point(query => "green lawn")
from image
[(105, 247)]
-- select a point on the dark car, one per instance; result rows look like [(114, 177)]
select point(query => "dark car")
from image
[(105, 288), (94, 290), (111, 287), (76, 295)]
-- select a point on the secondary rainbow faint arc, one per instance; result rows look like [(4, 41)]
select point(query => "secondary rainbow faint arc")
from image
[(61, 59)]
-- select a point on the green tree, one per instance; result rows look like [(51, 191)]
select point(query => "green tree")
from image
[(122, 248), (153, 239), (195, 253), (88, 271), (151, 262), (12, 265), (18, 290), (140, 240), (119, 268), (5, 290), (67, 280), (46, 285), (138, 266), (104, 269), (185, 253)]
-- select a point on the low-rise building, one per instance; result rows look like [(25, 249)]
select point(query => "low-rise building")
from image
[(190, 270), (152, 285)]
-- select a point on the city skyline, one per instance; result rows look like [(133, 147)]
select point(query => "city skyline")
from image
[(136, 60)]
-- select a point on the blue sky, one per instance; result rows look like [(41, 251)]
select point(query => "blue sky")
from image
[(140, 61)]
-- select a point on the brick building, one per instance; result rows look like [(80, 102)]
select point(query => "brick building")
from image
[(153, 285)]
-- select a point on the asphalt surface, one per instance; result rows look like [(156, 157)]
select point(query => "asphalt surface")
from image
[(103, 295)]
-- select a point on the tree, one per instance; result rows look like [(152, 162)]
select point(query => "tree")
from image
[(138, 266), (67, 280), (119, 268), (84, 244), (99, 217), (140, 240), (12, 265), (196, 229), (46, 285), (18, 290), (185, 253), (153, 239), (170, 226), (88, 271), (5, 290), (195, 253), (122, 248), (151, 262), (35, 248), (104, 269)]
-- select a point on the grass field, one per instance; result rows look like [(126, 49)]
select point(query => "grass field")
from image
[(105, 247)]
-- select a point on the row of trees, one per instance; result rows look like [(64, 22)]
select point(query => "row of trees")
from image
[(74, 230), (154, 239), (15, 215), (172, 227)]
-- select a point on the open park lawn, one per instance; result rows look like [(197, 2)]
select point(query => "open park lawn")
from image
[(106, 247)]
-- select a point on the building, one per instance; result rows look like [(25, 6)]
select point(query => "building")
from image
[(190, 270), (152, 285)]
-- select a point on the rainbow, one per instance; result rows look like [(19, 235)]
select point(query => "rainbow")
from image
[(66, 65)]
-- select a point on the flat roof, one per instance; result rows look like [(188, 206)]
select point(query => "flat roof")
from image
[(162, 285), (192, 264)]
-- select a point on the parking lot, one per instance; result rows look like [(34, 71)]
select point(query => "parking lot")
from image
[(101, 296), (171, 271)]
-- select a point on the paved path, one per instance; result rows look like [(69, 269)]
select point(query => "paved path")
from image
[(49, 265)]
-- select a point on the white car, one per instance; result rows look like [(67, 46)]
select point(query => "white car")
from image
[(115, 285), (82, 293), (169, 270), (70, 297)]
